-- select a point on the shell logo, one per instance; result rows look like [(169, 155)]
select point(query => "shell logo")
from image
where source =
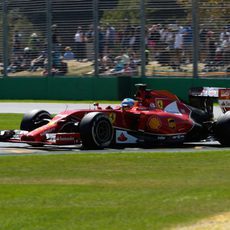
[(154, 123)]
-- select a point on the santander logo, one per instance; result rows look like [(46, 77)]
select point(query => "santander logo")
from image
[(122, 137)]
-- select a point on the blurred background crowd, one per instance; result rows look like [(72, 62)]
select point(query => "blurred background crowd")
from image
[(114, 38)]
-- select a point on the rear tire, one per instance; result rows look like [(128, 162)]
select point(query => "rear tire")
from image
[(96, 131), (35, 119), (222, 129)]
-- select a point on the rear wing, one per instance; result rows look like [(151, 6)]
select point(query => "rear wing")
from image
[(204, 92), (204, 97)]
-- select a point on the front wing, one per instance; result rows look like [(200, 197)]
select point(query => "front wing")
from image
[(49, 139)]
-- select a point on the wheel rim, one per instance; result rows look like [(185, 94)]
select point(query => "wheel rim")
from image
[(39, 119), (103, 131)]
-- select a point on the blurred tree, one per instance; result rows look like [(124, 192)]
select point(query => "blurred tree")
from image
[(68, 14), (212, 12), (17, 22), (155, 10)]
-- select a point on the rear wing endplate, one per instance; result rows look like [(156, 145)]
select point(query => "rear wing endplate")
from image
[(224, 99)]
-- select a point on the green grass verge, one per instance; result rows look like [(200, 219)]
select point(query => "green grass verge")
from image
[(112, 191), (10, 121)]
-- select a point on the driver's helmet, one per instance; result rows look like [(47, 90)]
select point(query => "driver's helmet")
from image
[(127, 103)]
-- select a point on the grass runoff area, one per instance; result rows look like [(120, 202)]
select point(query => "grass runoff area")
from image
[(116, 191)]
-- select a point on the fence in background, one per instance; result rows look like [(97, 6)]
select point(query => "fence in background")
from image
[(145, 38)]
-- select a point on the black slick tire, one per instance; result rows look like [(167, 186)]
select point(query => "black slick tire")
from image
[(34, 119), (96, 131)]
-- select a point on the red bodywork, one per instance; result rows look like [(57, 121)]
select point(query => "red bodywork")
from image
[(157, 113)]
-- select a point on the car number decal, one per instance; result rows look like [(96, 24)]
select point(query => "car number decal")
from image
[(171, 123)]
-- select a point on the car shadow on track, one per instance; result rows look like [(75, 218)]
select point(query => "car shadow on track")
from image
[(188, 147)]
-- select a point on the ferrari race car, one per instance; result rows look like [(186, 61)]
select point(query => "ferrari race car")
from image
[(156, 117)]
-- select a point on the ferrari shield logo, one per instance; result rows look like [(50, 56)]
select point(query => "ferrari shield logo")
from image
[(159, 104), (112, 117), (154, 123)]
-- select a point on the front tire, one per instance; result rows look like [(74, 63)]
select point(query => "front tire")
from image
[(96, 130), (35, 119)]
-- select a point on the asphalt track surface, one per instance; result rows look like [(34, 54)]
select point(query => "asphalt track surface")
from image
[(54, 108)]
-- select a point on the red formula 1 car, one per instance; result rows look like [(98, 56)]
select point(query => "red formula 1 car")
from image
[(157, 117)]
